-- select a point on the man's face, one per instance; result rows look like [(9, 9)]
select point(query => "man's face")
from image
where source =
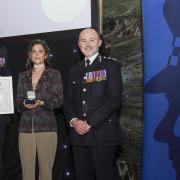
[(89, 42)]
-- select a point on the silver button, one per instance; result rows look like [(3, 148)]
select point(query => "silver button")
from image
[(110, 120), (84, 90), (84, 114), (84, 102), (74, 82)]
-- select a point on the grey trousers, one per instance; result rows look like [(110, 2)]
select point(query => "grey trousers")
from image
[(42, 143)]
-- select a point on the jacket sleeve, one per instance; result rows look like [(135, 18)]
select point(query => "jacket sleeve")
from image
[(20, 95), (56, 100), (68, 105), (113, 98)]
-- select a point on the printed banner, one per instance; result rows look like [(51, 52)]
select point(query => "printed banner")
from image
[(161, 33)]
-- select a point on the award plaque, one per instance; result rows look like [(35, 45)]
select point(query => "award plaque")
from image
[(6, 95)]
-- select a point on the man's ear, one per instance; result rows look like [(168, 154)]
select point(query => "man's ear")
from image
[(79, 44), (100, 42)]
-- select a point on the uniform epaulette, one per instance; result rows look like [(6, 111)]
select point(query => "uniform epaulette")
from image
[(109, 58)]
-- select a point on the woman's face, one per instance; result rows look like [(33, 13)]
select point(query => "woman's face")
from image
[(38, 54)]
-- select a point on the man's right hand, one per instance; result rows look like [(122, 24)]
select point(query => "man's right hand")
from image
[(80, 126)]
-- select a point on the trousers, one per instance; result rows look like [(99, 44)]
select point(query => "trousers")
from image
[(94, 162), (44, 144)]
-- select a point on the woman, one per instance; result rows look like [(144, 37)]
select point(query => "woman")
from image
[(39, 92)]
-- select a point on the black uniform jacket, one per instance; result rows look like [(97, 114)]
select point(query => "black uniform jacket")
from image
[(95, 95), (4, 118)]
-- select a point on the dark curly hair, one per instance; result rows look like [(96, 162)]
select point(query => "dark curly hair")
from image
[(47, 50)]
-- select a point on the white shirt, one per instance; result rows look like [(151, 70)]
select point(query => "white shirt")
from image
[(92, 58)]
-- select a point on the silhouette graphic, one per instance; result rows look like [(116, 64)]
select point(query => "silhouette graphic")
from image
[(168, 82)]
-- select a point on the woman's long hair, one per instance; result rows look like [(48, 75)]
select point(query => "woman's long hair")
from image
[(29, 63)]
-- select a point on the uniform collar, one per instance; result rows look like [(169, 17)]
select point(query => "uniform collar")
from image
[(92, 58)]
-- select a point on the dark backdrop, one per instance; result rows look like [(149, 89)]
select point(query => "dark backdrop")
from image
[(65, 53)]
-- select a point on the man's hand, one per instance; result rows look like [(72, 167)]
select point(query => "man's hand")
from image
[(81, 126)]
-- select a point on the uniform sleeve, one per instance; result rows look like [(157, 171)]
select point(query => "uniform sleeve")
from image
[(8, 72), (113, 97), (68, 105), (56, 99)]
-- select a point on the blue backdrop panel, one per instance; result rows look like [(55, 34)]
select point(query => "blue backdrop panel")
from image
[(161, 28)]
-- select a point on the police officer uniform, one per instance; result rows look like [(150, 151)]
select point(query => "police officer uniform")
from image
[(94, 95)]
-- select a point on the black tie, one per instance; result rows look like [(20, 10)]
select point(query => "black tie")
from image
[(87, 64)]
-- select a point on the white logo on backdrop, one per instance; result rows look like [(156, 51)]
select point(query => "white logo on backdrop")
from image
[(63, 11)]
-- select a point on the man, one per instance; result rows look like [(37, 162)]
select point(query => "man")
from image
[(91, 104), (4, 119)]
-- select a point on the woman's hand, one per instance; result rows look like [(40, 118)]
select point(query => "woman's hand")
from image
[(33, 106)]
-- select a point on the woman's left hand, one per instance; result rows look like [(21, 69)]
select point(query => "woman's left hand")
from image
[(33, 106)]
